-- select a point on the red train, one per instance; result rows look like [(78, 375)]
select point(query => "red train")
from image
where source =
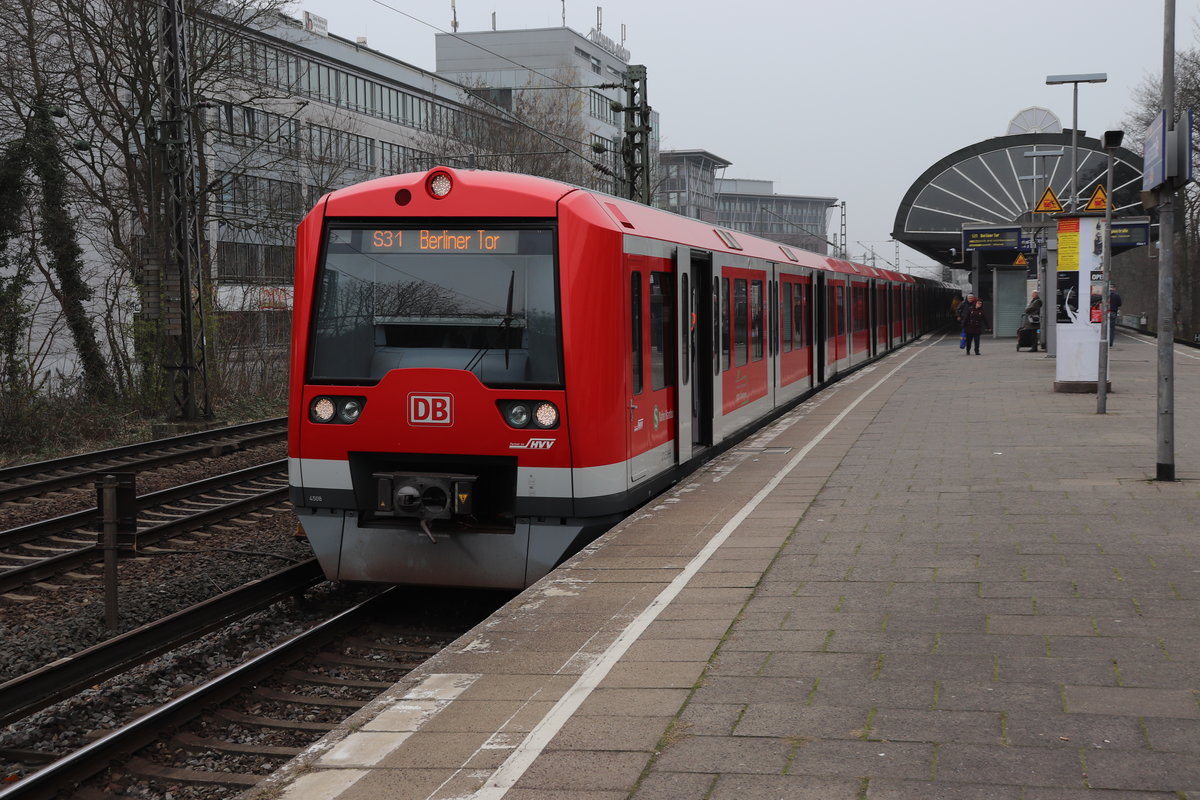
[(489, 369)]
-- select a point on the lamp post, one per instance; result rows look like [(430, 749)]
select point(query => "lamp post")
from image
[(1075, 80), (1112, 140)]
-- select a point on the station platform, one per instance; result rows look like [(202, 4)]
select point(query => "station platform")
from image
[(937, 579)]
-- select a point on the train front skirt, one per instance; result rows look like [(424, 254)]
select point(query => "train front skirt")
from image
[(350, 552)]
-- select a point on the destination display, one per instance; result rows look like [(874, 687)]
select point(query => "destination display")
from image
[(429, 240), (991, 239)]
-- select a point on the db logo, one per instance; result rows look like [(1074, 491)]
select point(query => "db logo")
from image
[(430, 409)]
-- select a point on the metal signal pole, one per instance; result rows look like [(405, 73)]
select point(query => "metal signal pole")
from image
[(183, 279)]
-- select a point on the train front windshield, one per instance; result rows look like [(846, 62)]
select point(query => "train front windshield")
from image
[(480, 299)]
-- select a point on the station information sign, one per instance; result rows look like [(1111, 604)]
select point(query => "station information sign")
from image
[(1130, 234), (991, 239)]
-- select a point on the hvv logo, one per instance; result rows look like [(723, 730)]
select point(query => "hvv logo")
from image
[(430, 409), (532, 444)]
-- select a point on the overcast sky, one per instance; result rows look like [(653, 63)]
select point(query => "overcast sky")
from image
[(851, 99)]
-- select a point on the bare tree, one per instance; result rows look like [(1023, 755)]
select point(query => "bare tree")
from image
[(37, 142), (100, 61)]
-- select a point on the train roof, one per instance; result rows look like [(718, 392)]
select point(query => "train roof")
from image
[(532, 196)]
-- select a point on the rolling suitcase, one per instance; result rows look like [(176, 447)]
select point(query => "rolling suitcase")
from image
[(1026, 337)]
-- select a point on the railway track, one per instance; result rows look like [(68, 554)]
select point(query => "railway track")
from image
[(63, 545), (231, 731), (60, 680), (40, 478), (73, 701)]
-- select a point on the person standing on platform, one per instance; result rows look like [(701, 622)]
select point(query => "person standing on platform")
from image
[(963, 307), (975, 322), (1033, 318), (1114, 305)]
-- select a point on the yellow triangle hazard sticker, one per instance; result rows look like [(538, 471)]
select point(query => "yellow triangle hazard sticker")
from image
[(1020, 262), (462, 498), (1049, 203), (1099, 201)]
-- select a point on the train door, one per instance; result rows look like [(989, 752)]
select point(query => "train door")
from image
[(859, 321), (836, 330), (652, 349), (694, 383), (795, 326)]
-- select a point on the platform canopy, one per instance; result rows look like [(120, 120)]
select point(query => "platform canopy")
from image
[(994, 182)]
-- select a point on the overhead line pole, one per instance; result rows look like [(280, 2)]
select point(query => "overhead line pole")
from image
[(1165, 470), (183, 278), (635, 150)]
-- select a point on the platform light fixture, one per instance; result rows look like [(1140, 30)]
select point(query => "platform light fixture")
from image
[(1075, 80)]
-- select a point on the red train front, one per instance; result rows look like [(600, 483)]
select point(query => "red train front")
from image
[(490, 369), (431, 433)]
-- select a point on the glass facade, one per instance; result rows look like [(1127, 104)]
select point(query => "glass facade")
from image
[(689, 183), (790, 219)]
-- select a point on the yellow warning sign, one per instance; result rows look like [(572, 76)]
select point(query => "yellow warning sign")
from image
[(1020, 262), (1099, 201), (1049, 203)]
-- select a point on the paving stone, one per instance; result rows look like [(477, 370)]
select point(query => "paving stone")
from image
[(792, 787), (1134, 702), (889, 789), (1124, 769), (1049, 728), (736, 754), (1016, 766)]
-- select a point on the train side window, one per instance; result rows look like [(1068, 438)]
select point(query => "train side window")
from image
[(786, 301), (662, 329), (741, 322), (830, 311), (841, 309), (726, 314), (800, 314), (756, 320), (635, 307), (773, 318)]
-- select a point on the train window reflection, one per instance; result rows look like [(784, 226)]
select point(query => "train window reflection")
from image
[(635, 303), (662, 329), (741, 323), (489, 311), (756, 320)]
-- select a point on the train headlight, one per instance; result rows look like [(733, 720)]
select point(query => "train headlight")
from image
[(322, 409), (440, 184), (545, 415), (350, 410), (339, 410), (530, 413), (517, 415)]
